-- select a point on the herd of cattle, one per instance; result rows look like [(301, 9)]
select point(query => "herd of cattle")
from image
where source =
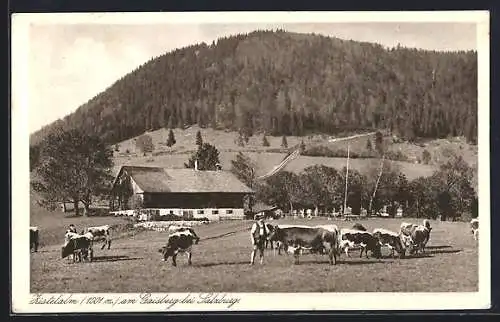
[(293, 239)]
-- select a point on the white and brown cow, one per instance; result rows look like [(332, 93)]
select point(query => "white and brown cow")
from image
[(314, 239), (179, 242), (474, 226), (80, 246), (352, 238), (101, 233), (34, 238), (421, 236), (175, 228), (405, 232), (416, 236), (390, 239)]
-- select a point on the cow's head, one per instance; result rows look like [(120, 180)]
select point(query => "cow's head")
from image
[(427, 225), (67, 250), (274, 234), (192, 234)]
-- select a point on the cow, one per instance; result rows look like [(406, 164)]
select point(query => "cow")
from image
[(179, 242), (420, 236), (279, 245), (390, 239), (349, 238), (405, 232), (80, 246), (101, 233), (358, 226), (316, 239), (474, 225), (34, 238)]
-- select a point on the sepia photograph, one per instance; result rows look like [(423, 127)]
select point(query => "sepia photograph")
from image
[(233, 161)]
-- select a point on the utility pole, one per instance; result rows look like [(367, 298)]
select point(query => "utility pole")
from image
[(346, 177)]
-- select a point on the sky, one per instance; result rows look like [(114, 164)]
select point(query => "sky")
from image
[(71, 63)]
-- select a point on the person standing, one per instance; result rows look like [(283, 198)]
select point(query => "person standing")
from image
[(258, 233)]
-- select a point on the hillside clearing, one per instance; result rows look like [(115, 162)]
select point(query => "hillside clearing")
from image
[(266, 158), (221, 265)]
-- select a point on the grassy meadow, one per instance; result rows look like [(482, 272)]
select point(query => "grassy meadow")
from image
[(221, 264)]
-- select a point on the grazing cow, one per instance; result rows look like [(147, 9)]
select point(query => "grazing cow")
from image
[(358, 226), (390, 239), (405, 231), (420, 236), (34, 239), (316, 239), (101, 233), (474, 225), (350, 238), (179, 242), (80, 246)]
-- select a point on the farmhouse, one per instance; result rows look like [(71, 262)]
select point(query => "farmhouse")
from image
[(188, 193)]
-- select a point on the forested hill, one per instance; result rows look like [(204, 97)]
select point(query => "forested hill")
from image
[(289, 83)]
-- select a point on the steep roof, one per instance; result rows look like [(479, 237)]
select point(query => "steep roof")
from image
[(161, 180)]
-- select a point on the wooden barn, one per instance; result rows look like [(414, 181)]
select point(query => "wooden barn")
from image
[(188, 193)]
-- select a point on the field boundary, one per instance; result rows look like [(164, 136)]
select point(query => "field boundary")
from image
[(225, 234)]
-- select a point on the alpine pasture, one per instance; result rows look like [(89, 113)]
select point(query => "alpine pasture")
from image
[(221, 259), (221, 264)]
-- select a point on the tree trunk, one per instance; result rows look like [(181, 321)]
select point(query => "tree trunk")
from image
[(77, 210), (86, 209)]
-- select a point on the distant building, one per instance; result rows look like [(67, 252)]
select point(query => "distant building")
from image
[(186, 193), (265, 210), (399, 212)]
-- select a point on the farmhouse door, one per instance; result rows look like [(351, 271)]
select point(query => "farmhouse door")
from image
[(187, 214)]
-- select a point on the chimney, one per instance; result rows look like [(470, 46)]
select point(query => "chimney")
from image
[(196, 165)]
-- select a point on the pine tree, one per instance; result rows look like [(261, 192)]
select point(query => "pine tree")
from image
[(207, 156), (284, 143), (199, 139), (171, 139)]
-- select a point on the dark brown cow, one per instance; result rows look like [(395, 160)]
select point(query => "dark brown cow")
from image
[(358, 226), (316, 239), (350, 238), (34, 239), (80, 246), (179, 242), (390, 239)]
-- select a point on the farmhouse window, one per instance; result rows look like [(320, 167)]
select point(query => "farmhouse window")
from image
[(200, 212), (215, 212), (229, 212)]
